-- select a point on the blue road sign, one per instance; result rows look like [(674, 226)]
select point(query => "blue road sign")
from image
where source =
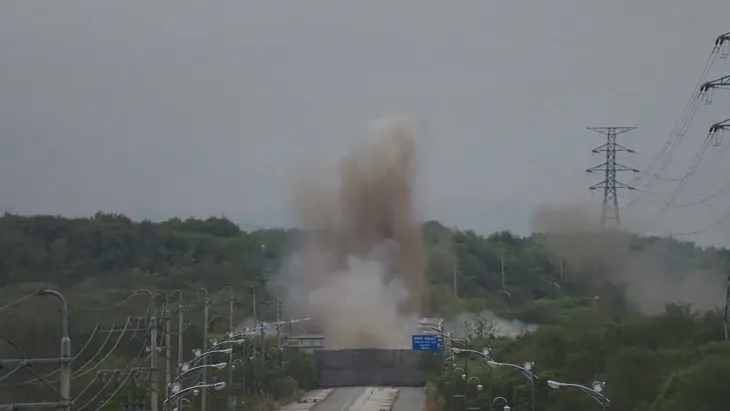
[(426, 342)]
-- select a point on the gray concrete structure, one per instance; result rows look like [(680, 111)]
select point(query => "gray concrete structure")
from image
[(371, 367), (308, 342)]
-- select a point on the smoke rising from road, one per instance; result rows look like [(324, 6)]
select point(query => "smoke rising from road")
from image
[(358, 271), (652, 275)]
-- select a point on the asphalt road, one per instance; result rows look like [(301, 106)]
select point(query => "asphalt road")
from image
[(410, 399), (341, 399)]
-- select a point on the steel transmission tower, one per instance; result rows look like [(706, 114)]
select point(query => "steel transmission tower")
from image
[(610, 168)]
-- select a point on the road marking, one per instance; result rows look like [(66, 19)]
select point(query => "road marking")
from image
[(345, 406)]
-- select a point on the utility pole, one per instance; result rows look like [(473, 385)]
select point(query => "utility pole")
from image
[(253, 309), (278, 325), (180, 331), (204, 393), (453, 273), (64, 389), (66, 358), (154, 383), (501, 260), (610, 167), (263, 337), (168, 350), (561, 270), (727, 308), (278, 330), (231, 398)]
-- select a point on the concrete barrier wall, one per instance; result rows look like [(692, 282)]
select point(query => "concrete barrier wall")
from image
[(370, 367)]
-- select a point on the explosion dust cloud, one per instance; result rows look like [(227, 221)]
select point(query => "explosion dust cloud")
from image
[(652, 276), (358, 270)]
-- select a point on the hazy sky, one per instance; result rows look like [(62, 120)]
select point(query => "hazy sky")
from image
[(183, 107)]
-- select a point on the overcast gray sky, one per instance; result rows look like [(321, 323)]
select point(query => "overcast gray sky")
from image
[(197, 108)]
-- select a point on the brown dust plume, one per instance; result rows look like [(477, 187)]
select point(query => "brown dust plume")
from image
[(358, 270), (653, 275)]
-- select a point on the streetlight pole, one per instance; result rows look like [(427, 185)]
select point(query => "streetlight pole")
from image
[(65, 372), (166, 331), (240, 362), (595, 391), (186, 369), (484, 353), (178, 391), (253, 310), (206, 308), (231, 398), (479, 388), (154, 384), (527, 369), (180, 328), (254, 355), (501, 400), (203, 355), (453, 385), (278, 329)]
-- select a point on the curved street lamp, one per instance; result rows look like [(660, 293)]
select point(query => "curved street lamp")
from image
[(200, 355), (466, 389), (254, 355), (432, 323), (186, 368), (595, 391), (180, 326), (216, 345), (484, 353), (453, 383), (503, 401), (527, 369), (65, 374), (177, 391), (448, 337), (479, 382), (428, 320)]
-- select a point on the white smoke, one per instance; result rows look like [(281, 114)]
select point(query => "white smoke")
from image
[(359, 271)]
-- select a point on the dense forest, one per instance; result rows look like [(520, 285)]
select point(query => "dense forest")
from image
[(654, 336)]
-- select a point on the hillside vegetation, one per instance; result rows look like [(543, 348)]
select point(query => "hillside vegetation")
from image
[(591, 326)]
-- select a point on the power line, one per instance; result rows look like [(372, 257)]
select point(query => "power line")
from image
[(154, 332), (610, 167), (706, 89), (710, 226), (81, 351), (19, 300), (63, 392), (660, 161)]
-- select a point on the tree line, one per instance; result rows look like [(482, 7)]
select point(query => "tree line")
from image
[(664, 362)]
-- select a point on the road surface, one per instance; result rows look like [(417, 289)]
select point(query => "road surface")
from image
[(356, 399), (410, 399), (341, 399)]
